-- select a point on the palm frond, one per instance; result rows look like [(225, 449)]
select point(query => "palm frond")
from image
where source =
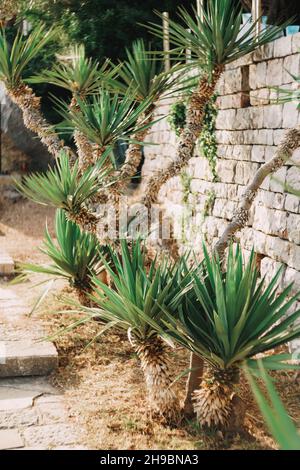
[(64, 186), (14, 59), (232, 316), (80, 75), (143, 73), (275, 415), (76, 257), (107, 118), (216, 37), (139, 294)]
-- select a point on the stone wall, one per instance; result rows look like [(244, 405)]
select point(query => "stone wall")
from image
[(249, 127)]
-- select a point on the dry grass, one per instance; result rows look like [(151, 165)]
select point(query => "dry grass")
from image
[(103, 384)]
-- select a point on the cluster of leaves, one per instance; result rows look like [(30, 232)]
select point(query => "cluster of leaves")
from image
[(77, 255), (177, 117), (208, 140)]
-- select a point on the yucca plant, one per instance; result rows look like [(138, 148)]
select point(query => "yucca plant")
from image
[(81, 76), (65, 187), (77, 73), (139, 294), (106, 118), (274, 413), (13, 61), (231, 318), (214, 39), (144, 75), (76, 257)]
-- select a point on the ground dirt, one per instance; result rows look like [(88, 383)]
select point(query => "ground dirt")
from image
[(103, 383)]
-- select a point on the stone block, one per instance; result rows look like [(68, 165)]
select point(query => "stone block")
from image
[(292, 276), (264, 53), (7, 265), (296, 43), (291, 66), (50, 435), (257, 75), (278, 136), (240, 152), (293, 177), (258, 153), (294, 257), (236, 100), (272, 116), (260, 97), (277, 180), (293, 228), (226, 119), (279, 249), (270, 221), (291, 203), (282, 47), (290, 115), (271, 200), (233, 81), (269, 268), (10, 439), (244, 171), (226, 170), (274, 72), (23, 358)]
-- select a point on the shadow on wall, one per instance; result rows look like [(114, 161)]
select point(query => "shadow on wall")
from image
[(12, 125)]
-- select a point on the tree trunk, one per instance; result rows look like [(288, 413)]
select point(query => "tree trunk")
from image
[(214, 404), (29, 103), (193, 383), (155, 364), (189, 136), (289, 143)]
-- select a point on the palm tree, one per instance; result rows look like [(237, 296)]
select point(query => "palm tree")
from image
[(215, 40), (82, 77), (13, 61), (143, 74), (65, 187), (230, 319), (76, 257), (139, 296)]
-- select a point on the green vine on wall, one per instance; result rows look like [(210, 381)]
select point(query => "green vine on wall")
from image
[(207, 140), (177, 117)]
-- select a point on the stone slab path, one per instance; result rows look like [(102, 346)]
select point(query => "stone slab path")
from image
[(33, 414)]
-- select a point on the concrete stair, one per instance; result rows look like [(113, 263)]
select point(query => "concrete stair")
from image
[(22, 352), (7, 264), (23, 358)]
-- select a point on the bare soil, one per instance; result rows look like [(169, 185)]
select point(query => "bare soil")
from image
[(103, 383)]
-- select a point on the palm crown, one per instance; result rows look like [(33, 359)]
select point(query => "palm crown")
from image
[(107, 117), (232, 317), (81, 75), (14, 59), (215, 37)]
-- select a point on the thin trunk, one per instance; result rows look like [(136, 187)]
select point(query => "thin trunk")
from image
[(29, 103), (134, 152), (213, 402), (84, 150), (289, 143), (193, 383), (155, 364), (189, 136)]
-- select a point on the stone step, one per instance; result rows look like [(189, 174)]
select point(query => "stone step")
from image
[(7, 264), (26, 358)]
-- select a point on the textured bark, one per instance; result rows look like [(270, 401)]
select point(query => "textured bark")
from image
[(134, 152), (84, 151), (289, 143), (213, 402), (189, 136), (193, 383), (29, 103), (155, 364)]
